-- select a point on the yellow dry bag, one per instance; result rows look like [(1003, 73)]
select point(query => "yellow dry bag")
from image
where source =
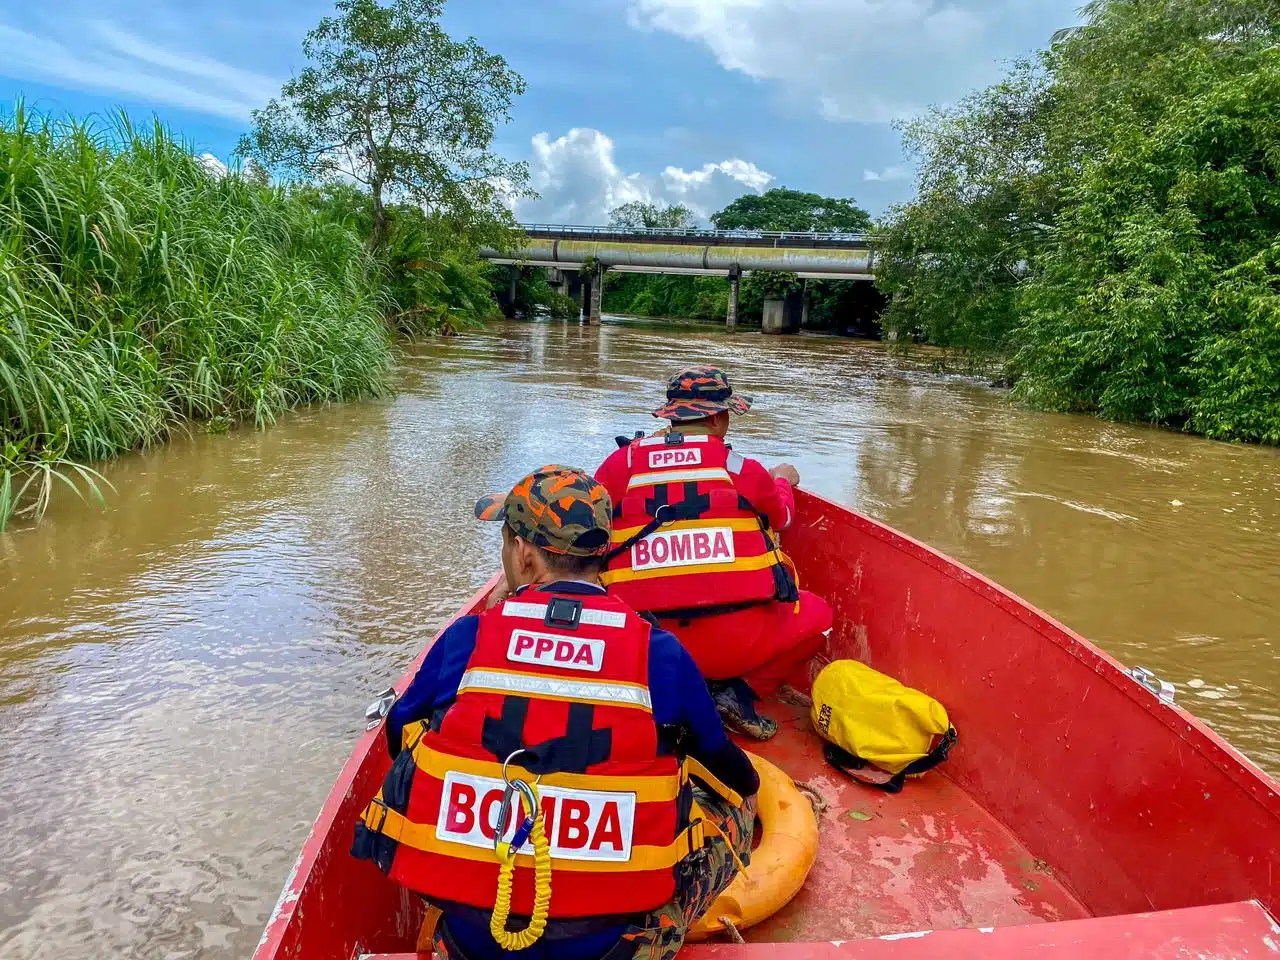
[(878, 731)]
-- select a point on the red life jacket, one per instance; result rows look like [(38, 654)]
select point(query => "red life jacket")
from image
[(565, 678), (711, 549)]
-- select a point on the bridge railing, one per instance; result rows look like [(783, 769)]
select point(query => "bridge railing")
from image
[(688, 234)]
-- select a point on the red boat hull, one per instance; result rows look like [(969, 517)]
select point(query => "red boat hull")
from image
[(1074, 793)]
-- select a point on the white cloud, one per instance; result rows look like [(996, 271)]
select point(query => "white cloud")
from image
[(249, 169), (217, 169), (887, 175), (579, 181), (97, 55), (862, 60)]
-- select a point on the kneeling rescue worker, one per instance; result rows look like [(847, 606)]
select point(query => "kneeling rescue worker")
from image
[(694, 543), (562, 786)]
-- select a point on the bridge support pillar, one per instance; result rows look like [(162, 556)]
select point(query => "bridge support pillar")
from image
[(588, 291), (573, 284), (735, 288), (597, 294), (784, 316), (507, 296)]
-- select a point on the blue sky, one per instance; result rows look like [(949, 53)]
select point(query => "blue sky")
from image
[(693, 101)]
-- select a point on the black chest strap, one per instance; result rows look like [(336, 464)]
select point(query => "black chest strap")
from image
[(691, 508)]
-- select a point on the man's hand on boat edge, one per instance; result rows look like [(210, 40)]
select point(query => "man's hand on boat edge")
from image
[(785, 471)]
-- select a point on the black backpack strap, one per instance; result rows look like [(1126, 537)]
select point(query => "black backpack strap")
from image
[(851, 765), (934, 756)]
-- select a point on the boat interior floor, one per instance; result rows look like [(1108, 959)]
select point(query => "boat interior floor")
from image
[(928, 858)]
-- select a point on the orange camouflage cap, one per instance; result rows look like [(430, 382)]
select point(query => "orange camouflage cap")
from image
[(557, 508), (699, 392)]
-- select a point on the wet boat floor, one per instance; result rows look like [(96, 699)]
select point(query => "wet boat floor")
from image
[(929, 858)]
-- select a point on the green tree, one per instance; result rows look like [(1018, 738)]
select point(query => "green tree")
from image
[(390, 101), (1155, 298), (1107, 219), (790, 210), (952, 259), (638, 214), (432, 277)]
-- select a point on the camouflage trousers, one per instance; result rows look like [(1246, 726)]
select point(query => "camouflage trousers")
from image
[(701, 879)]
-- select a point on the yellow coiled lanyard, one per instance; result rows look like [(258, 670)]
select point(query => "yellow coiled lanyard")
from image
[(532, 828)]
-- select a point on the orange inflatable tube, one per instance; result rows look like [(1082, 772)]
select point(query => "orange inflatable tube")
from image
[(779, 866)]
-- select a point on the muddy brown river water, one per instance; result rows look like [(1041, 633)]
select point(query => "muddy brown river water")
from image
[(182, 675)]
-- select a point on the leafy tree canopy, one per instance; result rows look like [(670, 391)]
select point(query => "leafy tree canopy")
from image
[(1105, 219), (952, 259), (791, 210), (637, 214), (390, 101)]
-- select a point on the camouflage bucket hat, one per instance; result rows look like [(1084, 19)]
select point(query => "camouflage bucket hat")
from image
[(557, 508), (700, 392)]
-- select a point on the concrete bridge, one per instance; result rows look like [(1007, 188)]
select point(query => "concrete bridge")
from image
[(564, 250)]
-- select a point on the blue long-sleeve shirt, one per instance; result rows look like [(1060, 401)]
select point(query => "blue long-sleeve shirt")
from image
[(680, 700)]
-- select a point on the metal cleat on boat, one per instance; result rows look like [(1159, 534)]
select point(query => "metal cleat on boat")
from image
[(1161, 688), (378, 710)]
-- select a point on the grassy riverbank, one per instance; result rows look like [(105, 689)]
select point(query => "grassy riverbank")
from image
[(139, 292)]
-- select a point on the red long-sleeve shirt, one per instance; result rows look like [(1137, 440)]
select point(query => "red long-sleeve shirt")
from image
[(770, 497)]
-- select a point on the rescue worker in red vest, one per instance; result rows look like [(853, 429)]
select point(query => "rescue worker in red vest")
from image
[(562, 700), (695, 543)]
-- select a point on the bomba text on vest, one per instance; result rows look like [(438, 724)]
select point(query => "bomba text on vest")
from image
[(581, 824), (684, 548)]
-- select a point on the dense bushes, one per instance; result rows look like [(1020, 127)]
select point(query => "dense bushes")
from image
[(535, 295), (139, 290), (1107, 219), (432, 276), (701, 298)]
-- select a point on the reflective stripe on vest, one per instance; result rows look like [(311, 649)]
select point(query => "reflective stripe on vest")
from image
[(538, 611), (765, 561), (643, 859), (557, 688), (659, 789), (661, 440), (478, 847), (677, 476), (745, 525)]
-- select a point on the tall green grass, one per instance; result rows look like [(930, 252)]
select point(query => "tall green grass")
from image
[(140, 292)]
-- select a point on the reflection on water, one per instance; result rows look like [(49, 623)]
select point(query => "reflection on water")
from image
[(182, 675)]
